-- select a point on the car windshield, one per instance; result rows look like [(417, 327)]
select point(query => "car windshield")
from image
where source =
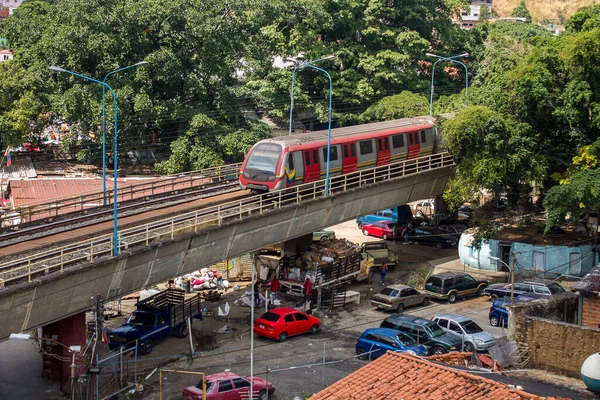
[(269, 316), (141, 319), (555, 288), (389, 292), (406, 340), (435, 330), (471, 327), (433, 281), (264, 157)]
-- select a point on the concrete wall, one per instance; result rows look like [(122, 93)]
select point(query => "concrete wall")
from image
[(548, 328), (556, 259), (61, 294), (591, 311)]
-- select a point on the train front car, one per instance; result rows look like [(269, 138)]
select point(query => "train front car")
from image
[(261, 169)]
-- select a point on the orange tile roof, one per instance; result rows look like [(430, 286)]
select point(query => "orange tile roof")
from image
[(401, 376)]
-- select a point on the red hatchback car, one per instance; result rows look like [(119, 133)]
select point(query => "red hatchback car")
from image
[(280, 323), (382, 229), (229, 386)]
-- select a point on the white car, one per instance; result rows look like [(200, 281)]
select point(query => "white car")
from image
[(424, 207)]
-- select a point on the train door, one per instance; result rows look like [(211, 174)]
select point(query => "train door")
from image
[(426, 136), (414, 147), (383, 151), (312, 169), (399, 149), (349, 158), (367, 158)]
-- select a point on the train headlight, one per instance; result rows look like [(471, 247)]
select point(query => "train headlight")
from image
[(270, 178)]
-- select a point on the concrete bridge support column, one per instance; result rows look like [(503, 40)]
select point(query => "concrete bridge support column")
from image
[(70, 331)]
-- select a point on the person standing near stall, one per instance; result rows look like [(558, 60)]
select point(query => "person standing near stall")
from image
[(307, 289)]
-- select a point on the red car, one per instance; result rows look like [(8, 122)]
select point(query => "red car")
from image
[(280, 323), (229, 386), (382, 229)]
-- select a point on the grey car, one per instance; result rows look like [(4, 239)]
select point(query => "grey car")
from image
[(398, 297), (473, 337)]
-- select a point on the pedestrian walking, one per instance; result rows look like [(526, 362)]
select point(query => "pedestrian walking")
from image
[(407, 232), (219, 279), (382, 273), (394, 233)]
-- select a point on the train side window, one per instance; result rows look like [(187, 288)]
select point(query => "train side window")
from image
[(345, 151), (410, 139), (366, 147), (291, 161), (423, 137), (315, 156), (334, 154), (379, 144), (353, 149), (386, 143), (307, 158), (397, 141)]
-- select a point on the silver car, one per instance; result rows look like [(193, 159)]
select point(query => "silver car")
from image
[(474, 338), (398, 297)]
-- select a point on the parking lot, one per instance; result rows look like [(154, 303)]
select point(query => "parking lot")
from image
[(295, 366)]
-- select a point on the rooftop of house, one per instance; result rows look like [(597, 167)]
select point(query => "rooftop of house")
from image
[(402, 376)]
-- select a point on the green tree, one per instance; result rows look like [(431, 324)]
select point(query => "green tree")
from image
[(521, 11), (403, 105)]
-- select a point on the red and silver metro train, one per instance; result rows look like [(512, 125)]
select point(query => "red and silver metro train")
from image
[(286, 161)]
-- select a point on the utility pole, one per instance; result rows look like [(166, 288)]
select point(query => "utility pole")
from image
[(512, 276)]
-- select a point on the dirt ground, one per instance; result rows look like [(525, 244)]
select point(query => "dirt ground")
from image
[(296, 366)]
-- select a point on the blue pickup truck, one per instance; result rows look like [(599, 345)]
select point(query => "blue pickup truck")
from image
[(156, 318)]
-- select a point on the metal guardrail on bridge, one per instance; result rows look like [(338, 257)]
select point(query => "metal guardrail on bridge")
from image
[(167, 229), (91, 200)]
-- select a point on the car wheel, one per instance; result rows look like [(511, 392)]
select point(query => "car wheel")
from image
[(365, 232), (314, 328), (468, 347), (438, 245), (493, 297), (480, 290), (419, 213), (360, 225), (147, 347), (400, 308), (283, 336), (452, 297), (182, 331), (438, 350), (262, 395), (494, 321), (324, 238), (385, 237), (361, 353), (425, 302)]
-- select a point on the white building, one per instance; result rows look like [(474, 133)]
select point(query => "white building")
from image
[(5, 55), (10, 5), (469, 18)]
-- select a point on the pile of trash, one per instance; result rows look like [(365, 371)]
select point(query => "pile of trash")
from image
[(199, 280), (319, 255)]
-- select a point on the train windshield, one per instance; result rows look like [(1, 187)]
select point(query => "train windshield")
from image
[(264, 158)]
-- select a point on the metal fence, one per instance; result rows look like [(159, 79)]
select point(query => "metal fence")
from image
[(217, 215), (91, 200)]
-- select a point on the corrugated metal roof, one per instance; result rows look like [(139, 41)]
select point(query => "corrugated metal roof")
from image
[(590, 282), (29, 191)]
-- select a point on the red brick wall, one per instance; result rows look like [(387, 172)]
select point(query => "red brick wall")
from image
[(591, 312)]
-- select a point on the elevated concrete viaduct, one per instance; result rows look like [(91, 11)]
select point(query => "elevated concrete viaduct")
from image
[(62, 294)]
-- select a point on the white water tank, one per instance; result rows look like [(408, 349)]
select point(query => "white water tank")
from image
[(590, 372)]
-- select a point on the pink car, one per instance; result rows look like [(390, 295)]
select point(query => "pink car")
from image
[(382, 229), (229, 386)]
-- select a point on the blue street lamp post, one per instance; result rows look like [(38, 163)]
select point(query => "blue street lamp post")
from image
[(104, 84), (451, 59), (301, 65), (141, 63)]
